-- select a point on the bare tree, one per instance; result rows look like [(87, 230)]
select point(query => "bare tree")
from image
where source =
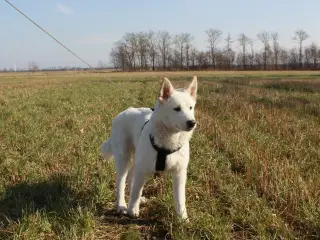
[(264, 37), (300, 36), (114, 58), (219, 59), (258, 60), (152, 48), (33, 66), (119, 56), (131, 46), (284, 58), (276, 49), (183, 44), (244, 40), (239, 60), (164, 44), (307, 57), (142, 49), (314, 55), (203, 59), (193, 57), (188, 45), (252, 55), (228, 52), (214, 36), (179, 42), (293, 59)]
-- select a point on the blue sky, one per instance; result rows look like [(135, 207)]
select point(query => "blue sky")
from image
[(90, 28)]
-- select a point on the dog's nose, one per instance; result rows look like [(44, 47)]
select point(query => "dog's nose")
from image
[(191, 124)]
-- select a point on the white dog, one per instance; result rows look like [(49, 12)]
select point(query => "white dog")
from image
[(156, 140)]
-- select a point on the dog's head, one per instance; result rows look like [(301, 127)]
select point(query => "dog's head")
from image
[(176, 106)]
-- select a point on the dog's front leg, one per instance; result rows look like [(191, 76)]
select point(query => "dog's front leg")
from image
[(179, 184), (139, 180)]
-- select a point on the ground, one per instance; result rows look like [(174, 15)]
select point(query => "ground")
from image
[(254, 169)]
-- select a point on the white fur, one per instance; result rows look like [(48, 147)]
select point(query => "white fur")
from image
[(169, 129)]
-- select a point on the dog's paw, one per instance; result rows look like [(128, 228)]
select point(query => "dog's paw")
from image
[(143, 199), (122, 210), (186, 220), (183, 219), (134, 213)]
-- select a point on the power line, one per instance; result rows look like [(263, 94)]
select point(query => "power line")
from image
[(48, 34)]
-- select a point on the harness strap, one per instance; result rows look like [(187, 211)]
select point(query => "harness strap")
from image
[(146, 121), (144, 125), (162, 154)]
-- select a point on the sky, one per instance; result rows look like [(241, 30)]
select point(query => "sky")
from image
[(90, 28)]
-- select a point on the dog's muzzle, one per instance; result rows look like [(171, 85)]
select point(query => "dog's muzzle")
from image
[(191, 124)]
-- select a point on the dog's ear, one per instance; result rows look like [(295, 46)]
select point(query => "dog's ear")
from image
[(166, 90), (193, 87)]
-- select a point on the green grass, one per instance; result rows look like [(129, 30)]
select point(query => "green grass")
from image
[(254, 169)]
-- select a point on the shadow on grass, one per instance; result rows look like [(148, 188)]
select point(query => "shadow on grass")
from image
[(149, 223), (112, 217), (52, 195), (60, 203)]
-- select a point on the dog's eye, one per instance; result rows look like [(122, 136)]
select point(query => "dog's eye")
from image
[(177, 109), (190, 108)]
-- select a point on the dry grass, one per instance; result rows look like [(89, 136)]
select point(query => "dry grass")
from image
[(254, 170)]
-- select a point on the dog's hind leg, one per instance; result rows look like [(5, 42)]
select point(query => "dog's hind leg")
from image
[(121, 164), (122, 155), (130, 177)]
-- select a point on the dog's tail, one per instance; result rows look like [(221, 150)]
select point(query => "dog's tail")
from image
[(106, 149)]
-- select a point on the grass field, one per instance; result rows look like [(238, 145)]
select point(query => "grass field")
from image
[(255, 157)]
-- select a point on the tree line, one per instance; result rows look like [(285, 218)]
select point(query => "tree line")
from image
[(151, 51)]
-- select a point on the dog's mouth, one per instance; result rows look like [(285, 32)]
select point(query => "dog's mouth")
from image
[(191, 128), (188, 129)]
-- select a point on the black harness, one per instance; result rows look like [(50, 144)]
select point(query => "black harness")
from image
[(162, 153)]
